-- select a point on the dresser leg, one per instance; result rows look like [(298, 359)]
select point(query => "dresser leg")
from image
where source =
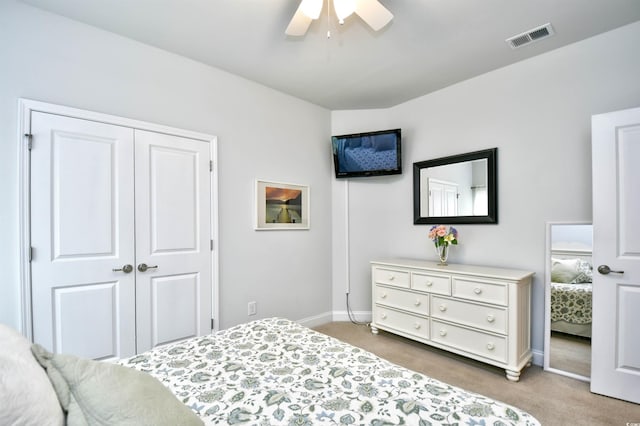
[(512, 375), (374, 330)]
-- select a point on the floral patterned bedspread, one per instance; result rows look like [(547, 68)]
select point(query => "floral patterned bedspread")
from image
[(277, 372), (571, 302)]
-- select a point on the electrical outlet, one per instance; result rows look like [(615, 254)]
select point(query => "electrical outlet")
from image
[(252, 308)]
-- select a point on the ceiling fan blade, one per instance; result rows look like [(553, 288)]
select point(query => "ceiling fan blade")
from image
[(299, 24), (373, 13)]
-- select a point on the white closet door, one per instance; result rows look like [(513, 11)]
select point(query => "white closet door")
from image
[(173, 234), (81, 230)]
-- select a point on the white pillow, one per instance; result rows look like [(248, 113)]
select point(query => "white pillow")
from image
[(564, 270), (570, 271), (27, 396)]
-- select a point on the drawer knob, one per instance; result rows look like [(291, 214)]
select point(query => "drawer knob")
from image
[(416, 326), (443, 333), (383, 316), (418, 302), (490, 318), (442, 307), (383, 295), (491, 346), (477, 290), (392, 277), (428, 283)]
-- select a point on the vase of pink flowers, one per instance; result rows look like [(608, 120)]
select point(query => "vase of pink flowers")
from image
[(443, 238)]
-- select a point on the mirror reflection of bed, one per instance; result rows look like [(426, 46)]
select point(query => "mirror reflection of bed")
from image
[(569, 290)]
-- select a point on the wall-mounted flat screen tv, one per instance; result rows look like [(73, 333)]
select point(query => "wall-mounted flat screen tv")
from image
[(367, 154)]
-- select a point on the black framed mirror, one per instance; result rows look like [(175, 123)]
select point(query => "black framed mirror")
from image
[(458, 189)]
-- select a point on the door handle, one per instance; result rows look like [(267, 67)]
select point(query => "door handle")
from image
[(126, 269), (604, 270), (143, 267)]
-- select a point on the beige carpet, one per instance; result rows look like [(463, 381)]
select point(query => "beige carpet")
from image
[(553, 399), (570, 353)]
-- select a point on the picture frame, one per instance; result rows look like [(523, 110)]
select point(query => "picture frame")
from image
[(281, 205)]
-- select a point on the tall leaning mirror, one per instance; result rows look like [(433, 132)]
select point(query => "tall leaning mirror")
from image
[(456, 189), (568, 289)]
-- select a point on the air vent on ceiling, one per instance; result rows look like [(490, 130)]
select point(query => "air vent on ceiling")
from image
[(535, 34)]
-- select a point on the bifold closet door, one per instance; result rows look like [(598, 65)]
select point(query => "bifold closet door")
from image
[(173, 238), (82, 236), (120, 235)]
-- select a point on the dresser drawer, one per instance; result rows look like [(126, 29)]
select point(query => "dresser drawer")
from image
[(391, 277), (402, 299), (488, 318), (480, 290), (439, 284), (476, 342), (401, 321)]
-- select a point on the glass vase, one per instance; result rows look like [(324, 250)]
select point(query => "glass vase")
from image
[(443, 252)]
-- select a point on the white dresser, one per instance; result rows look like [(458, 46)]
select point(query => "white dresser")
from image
[(479, 312)]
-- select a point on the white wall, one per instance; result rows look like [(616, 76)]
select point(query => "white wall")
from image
[(538, 113), (261, 133), (571, 237)]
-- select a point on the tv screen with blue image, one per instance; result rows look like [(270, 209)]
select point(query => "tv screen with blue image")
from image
[(367, 154)]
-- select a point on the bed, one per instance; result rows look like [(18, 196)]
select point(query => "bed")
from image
[(571, 294), (266, 372), (367, 153), (362, 159), (275, 371)]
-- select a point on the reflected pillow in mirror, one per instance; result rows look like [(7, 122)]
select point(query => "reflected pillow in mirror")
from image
[(570, 271), (585, 272), (564, 270)]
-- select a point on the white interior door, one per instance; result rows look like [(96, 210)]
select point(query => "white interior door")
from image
[(81, 230), (451, 200), (443, 198), (615, 362), (173, 234)]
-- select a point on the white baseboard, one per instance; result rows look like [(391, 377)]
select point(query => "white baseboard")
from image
[(316, 320), (359, 316), (538, 357)]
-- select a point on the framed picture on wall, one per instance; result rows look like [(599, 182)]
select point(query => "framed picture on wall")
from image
[(281, 206)]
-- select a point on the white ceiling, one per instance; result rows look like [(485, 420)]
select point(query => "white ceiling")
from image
[(429, 44)]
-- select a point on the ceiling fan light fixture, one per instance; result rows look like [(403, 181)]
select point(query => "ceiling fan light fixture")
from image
[(373, 13), (370, 11), (344, 9), (311, 8)]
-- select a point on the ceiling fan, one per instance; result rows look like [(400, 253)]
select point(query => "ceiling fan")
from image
[(371, 12)]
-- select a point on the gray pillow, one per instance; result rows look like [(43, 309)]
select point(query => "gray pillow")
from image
[(100, 393)]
